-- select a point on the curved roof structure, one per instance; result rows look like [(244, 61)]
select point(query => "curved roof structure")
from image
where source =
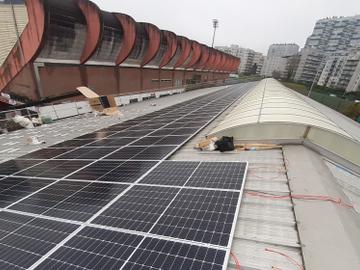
[(270, 111), (78, 32)]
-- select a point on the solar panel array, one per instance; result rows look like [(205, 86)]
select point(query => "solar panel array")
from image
[(111, 200)]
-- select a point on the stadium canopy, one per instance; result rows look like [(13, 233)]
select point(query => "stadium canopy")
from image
[(270, 111)]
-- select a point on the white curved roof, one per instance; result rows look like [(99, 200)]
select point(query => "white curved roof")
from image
[(271, 111)]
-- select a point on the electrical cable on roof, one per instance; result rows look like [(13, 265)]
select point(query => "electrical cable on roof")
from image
[(237, 263), (293, 261), (338, 201)]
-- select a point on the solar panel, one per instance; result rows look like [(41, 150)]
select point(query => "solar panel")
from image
[(220, 175), (46, 153), (184, 131), (54, 168), (16, 165), (87, 153), (147, 141), (174, 140), (162, 132), (13, 189), (174, 173), (96, 135), (95, 170), (115, 142), (129, 171), (70, 199), (205, 216), (25, 239), (164, 254), (93, 248), (73, 143), (154, 153), (135, 133), (126, 153), (138, 209), (195, 124)]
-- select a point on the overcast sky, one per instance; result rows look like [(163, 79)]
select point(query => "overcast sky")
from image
[(252, 23)]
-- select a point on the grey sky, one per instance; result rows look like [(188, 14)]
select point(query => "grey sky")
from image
[(253, 23)]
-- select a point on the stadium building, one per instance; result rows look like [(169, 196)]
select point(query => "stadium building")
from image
[(70, 43)]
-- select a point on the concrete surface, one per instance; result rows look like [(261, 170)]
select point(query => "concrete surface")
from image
[(329, 233)]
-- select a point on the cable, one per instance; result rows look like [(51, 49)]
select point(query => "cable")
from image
[(294, 262), (235, 259), (324, 198)]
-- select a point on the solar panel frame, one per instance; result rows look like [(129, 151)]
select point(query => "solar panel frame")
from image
[(60, 200), (26, 238), (97, 244), (48, 169), (172, 173), (154, 253), (87, 153), (14, 166), (46, 153), (112, 142), (138, 209), (125, 173), (194, 216), (73, 143), (12, 189), (209, 171)]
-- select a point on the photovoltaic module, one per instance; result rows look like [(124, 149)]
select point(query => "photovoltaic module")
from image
[(111, 199)]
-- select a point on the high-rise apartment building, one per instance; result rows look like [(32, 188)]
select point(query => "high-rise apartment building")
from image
[(250, 60), (258, 61), (277, 58), (282, 49), (335, 34), (330, 56)]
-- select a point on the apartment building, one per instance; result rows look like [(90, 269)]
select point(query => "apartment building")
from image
[(277, 59), (250, 59), (330, 56)]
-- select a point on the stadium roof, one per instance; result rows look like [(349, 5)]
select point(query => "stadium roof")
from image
[(273, 112)]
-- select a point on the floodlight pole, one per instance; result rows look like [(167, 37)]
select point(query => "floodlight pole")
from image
[(215, 25)]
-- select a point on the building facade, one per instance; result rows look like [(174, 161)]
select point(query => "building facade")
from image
[(250, 59), (331, 35), (66, 44), (330, 56), (258, 61), (276, 61), (310, 65)]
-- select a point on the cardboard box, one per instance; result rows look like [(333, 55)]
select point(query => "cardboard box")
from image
[(99, 103)]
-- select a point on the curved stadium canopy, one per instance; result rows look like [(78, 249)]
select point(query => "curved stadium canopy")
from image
[(270, 111)]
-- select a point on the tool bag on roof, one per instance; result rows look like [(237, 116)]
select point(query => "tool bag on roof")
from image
[(225, 144)]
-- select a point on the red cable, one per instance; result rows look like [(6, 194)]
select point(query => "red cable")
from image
[(301, 197), (235, 259), (287, 257)]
